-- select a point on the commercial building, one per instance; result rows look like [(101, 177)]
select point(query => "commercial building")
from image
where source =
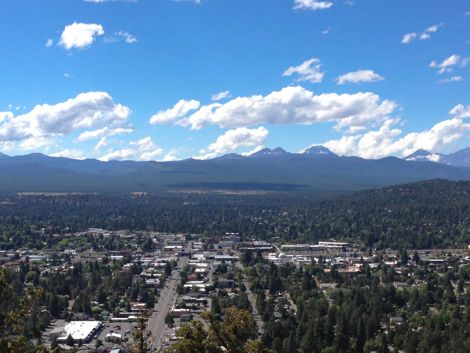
[(80, 331)]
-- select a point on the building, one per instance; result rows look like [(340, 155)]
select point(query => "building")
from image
[(113, 337), (80, 331)]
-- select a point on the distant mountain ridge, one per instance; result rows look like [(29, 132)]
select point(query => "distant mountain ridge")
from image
[(318, 149), (316, 169), (267, 152), (460, 158)]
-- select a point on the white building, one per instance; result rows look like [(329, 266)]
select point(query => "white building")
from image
[(80, 331)]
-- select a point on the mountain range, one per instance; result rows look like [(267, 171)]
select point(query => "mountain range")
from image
[(316, 169), (460, 158)]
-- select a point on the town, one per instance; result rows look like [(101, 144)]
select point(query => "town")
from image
[(120, 277)]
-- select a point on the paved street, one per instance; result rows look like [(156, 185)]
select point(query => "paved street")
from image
[(156, 324), (252, 300)]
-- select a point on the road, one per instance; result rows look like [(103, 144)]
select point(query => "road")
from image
[(252, 300), (156, 324)]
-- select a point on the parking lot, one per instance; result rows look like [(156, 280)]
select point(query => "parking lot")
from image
[(122, 328)]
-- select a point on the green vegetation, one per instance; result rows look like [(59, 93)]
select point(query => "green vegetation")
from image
[(235, 333), (433, 214), (371, 311)]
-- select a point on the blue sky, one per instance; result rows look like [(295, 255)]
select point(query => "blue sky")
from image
[(116, 79)]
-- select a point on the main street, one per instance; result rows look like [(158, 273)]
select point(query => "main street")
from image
[(156, 324)]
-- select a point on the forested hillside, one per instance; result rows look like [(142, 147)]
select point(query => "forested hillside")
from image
[(420, 215)]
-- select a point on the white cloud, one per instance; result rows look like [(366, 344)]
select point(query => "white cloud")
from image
[(69, 153), (80, 35), (105, 131), (179, 110), (234, 139), (388, 140), (49, 43), (151, 155), (460, 111), (448, 64), (44, 122), (128, 38), (92, 134), (309, 70), (34, 143), (293, 105), (7, 146), (144, 144), (451, 79), (220, 96), (144, 150), (254, 150), (359, 76), (171, 156), (409, 37), (426, 34), (118, 155), (121, 36), (101, 143), (312, 5)]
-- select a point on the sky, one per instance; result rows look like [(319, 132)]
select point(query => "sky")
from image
[(173, 79)]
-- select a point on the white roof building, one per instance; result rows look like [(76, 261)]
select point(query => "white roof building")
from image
[(81, 331)]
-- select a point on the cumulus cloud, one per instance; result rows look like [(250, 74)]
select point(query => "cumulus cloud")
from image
[(171, 156), (426, 34), (80, 35), (220, 96), (389, 140), (290, 105), (144, 149), (309, 70), (312, 5), (49, 43), (105, 131), (234, 139), (359, 76), (69, 153), (448, 64), (460, 111), (179, 110), (118, 155), (45, 122)]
